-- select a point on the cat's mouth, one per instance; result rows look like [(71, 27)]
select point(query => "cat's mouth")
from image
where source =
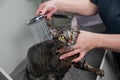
[(71, 43)]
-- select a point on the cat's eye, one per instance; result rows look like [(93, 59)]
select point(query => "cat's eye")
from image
[(61, 37), (73, 32)]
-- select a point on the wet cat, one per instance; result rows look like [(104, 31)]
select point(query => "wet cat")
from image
[(43, 58)]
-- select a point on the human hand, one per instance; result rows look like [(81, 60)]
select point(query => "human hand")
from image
[(47, 8), (86, 41)]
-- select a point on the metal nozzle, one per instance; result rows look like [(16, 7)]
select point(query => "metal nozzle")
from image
[(35, 19), (38, 18)]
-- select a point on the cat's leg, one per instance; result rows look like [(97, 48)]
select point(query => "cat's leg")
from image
[(85, 66), (59, 76)]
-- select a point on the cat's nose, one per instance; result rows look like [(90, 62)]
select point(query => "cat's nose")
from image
[(69, 41)]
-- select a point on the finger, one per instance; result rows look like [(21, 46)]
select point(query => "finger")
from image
[(44, 10), (39, 10), (81, 56), (51, 13), (70, 54), (65, 50), (81, 31)]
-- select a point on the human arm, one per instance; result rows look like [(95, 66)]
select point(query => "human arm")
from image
[(88, 40), (82, 7)]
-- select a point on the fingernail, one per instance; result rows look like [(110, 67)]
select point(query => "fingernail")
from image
[(73, 61), (61, 57), (45, 16)]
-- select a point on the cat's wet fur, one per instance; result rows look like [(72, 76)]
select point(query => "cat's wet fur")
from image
[(43, 58)]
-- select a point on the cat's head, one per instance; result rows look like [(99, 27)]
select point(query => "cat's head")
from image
[(66, 35)]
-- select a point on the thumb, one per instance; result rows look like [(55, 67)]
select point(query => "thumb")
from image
[(51, 13)]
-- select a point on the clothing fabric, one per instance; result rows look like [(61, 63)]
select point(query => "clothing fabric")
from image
[(109, 11)]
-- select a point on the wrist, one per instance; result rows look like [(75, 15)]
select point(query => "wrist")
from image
[(56, 3), (99, 41), (60, 5)]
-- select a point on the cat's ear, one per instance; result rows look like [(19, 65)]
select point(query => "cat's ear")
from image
[(74, 24), (52, 29)]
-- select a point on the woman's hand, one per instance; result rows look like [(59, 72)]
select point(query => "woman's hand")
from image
[(86, 41), (82, 7), (47, 8)]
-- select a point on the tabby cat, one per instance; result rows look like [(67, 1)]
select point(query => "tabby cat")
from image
[(43, 58)]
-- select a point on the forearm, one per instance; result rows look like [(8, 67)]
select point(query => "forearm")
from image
[(82, 7), (109, 41)]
